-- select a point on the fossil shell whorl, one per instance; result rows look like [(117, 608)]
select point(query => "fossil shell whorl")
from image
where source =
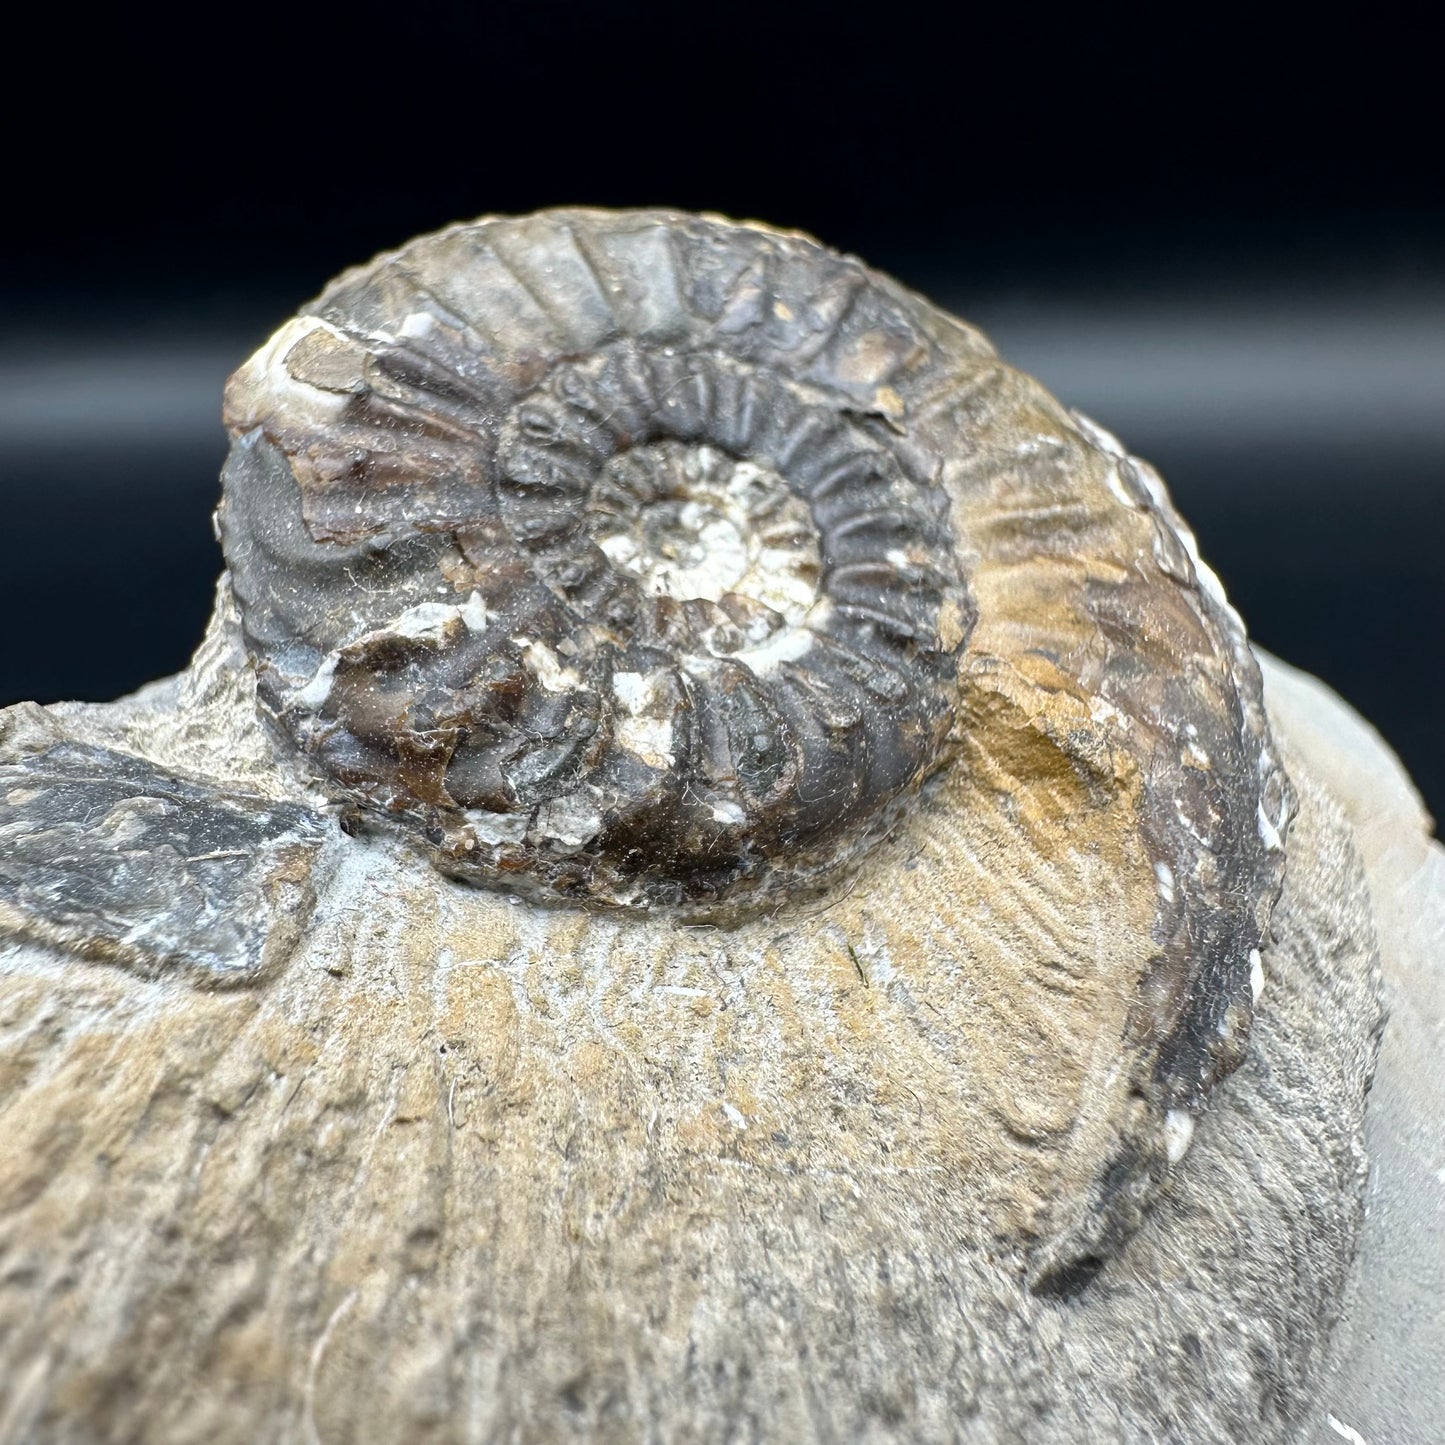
[(652, 559), (617, 575)]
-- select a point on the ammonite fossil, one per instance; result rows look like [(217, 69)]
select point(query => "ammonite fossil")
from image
[(650, 559), (717, 846)]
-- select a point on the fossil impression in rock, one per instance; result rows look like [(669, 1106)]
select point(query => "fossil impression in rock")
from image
[(774, 804), (664, 563)]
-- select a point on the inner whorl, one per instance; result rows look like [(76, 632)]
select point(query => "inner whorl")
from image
[(594, 548)]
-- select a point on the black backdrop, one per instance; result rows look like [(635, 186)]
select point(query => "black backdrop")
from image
[(1223, 234)]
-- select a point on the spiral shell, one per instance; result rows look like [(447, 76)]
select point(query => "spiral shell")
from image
[(654, 560)]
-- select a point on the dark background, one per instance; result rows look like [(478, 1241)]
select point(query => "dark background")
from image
[(1221, 234)]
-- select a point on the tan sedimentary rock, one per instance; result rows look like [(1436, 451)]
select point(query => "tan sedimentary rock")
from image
[(906, 1123)]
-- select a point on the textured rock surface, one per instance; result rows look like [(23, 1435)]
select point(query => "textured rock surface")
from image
[(467, 1170), (1386, 1380), (114, 859)]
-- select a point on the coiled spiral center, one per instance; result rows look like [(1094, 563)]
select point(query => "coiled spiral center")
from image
[(693, 524)]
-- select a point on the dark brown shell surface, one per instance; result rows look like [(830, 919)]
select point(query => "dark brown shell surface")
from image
[(654, 560)]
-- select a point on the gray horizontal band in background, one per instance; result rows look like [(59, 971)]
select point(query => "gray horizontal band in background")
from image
[(1342, 370)]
